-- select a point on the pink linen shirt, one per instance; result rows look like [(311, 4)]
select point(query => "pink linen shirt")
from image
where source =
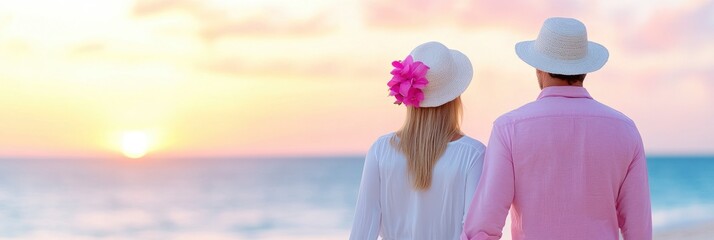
[(568, 167)]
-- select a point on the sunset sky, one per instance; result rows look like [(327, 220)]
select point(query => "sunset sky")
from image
[(286, 78)]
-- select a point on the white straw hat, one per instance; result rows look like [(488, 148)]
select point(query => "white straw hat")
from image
[(562, 47), (450, 73)]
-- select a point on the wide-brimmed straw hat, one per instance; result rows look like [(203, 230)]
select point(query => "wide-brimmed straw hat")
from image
[(448, 73), (562, 47)]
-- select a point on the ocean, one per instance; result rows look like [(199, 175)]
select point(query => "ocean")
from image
[(261, 198)]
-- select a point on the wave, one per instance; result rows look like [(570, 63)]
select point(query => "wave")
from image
[(682, 216)]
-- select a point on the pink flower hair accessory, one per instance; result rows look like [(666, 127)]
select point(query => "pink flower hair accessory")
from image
[(408, 81)]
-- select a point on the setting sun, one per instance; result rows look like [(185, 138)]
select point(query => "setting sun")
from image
[(135, 144)]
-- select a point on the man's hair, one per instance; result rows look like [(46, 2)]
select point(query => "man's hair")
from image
[(571, 79)]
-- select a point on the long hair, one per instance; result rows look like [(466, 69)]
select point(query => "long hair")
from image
[(424, 136)]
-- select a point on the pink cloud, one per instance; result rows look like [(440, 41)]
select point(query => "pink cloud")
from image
[(151, 7), (405, 13), (467, 14), (266, 25), (218, 23), (689, 25)]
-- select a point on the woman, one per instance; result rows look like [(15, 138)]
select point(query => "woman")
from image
[(417, 183)]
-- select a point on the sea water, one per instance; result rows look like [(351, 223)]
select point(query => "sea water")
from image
[(260, 198)]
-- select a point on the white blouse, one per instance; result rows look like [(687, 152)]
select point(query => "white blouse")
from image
[(388, 206)]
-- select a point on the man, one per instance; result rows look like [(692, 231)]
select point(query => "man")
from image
[(566, 165)]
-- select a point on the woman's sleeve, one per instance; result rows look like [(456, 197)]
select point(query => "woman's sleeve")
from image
[(472, 178), (368, 213)]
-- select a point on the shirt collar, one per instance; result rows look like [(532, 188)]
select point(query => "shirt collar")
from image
[(564, 91)]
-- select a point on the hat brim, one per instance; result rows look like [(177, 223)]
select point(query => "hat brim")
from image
[(461, 81), (595, 59)]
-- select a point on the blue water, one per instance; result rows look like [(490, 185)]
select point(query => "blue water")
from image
[(682, 190), (298, 198)]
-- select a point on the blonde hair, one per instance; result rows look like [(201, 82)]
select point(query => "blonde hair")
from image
[(424, 136)]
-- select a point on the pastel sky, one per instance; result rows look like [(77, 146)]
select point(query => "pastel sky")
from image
[(269, 77)]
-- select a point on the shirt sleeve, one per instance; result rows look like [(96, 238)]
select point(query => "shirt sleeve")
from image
[(495, 191), (633, 202), (368, 217), (472, 178)]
